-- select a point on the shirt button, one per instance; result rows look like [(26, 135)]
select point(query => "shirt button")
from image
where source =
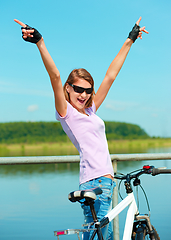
[(100, 181)]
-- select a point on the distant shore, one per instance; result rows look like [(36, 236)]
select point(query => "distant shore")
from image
[(67, 148)]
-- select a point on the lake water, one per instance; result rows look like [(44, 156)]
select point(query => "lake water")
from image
[(34, 199)]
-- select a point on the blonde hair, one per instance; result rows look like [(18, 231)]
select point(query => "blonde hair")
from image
[(73, 77)]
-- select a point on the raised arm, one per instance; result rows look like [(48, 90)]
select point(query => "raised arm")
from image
[(117, 64), (32, 35)]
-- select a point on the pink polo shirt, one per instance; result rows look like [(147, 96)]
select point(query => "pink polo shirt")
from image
[(87, 133)]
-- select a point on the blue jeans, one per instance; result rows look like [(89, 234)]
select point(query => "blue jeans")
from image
[(103, 204)]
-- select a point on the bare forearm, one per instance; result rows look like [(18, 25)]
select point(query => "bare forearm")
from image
[(118, 61), (47, 60), (30, 34)]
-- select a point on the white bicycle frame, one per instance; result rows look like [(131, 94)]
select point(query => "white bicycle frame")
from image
[(132, 211)]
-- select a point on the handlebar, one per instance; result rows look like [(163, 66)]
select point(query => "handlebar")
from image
[(157, 171), (145, 170), (135, 175)]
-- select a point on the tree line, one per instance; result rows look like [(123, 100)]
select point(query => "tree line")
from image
[(33, 132)]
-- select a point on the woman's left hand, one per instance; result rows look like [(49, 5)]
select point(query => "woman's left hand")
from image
[(136, 31), (142, 29)]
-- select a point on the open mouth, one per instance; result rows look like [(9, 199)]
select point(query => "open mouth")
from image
[(81, 100)]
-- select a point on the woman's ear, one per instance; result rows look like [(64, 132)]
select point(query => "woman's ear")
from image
[(67, 88)]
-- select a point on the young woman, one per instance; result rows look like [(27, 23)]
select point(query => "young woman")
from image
[(76, 104)]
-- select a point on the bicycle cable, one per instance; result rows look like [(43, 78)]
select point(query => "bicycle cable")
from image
[(145, 195), (148, 205), (119, 186), (138, 203), (136, 171)]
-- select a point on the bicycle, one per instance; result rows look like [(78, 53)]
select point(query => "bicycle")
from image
[(137, 227)]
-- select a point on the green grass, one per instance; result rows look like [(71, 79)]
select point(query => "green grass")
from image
[(67, 148), (137, 146)]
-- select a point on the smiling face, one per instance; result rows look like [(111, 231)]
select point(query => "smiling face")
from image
[(79, 100)]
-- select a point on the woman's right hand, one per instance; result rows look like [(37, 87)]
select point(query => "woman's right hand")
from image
[(136, 31), (29, 34)]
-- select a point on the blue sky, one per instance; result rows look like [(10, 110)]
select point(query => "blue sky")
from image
[(88, 34)]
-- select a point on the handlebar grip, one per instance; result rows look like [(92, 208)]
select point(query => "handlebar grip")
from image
[(156, 171)]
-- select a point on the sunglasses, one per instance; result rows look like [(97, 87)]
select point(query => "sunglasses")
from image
[(78, 89)]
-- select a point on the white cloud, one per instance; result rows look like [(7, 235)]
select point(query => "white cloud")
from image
[(154, 111), (9, 87), (155, 115), (32, 108), (6, 83), (119, 105)]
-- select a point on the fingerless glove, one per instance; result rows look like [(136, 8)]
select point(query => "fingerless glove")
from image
[(134, 33), (36, 35)]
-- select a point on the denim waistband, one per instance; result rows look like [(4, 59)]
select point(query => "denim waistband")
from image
[(101, 179)]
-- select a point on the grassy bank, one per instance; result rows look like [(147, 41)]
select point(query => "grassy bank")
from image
[(67, 148), (137, 146)]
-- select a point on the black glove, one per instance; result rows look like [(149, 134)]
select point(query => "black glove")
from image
[(36, 35), (134, 33)]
